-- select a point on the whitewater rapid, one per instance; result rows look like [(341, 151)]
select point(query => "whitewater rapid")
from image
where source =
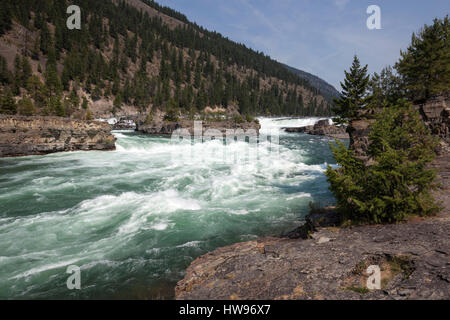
[(133, 219)]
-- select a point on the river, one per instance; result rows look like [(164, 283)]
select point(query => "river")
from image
[(133, 219)]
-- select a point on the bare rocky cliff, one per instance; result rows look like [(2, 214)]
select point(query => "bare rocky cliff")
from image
[(21, 136), (436, 116)]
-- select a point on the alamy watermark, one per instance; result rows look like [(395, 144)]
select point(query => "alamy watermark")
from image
[(374, 20), (74, 281), (223, 145), (374, 280), (74, 20)]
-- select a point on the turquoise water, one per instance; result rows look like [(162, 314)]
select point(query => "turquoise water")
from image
[(135, 218)]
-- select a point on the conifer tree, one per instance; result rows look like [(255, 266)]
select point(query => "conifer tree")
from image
[(17, 75), (354, 93), (7, 103), (397, 183), (26, 107), (5, 75), (425, 65)]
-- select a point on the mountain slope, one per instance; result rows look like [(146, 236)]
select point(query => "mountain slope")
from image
[(135, 57), (325, 88)]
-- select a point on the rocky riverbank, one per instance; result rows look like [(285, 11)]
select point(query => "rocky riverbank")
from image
[(321, 128), (22, 136), (322, 261), (413, 256)]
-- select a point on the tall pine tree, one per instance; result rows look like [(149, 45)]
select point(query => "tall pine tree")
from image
[(354, 93)]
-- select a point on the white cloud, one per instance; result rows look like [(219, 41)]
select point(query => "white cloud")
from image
[(341, 4)]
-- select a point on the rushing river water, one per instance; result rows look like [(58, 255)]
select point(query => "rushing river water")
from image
[(135, 218)]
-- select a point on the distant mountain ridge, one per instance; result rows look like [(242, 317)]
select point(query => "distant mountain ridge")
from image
[(325, 88)]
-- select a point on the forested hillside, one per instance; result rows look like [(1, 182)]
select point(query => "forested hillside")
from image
[(135, 57), (325, 88)]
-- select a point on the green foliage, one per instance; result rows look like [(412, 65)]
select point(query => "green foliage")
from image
[(56, 107), (385, 89), (149, 118), (397, 184), (171, 115), (5, 17), (425, 65), (360, 290), (238, 119), (26, 107), (88, 115), (7, 103), (5, 75), (354, 93), (85, 104)]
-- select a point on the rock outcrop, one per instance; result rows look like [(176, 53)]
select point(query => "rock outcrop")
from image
[(321, 128), (436, 116), (22, 136), (126, 123), (168, 127)]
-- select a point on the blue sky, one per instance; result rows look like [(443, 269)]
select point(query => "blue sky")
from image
[(318, 36)]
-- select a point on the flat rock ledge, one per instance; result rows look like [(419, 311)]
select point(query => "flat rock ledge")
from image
[(23, 136), (414, 258)]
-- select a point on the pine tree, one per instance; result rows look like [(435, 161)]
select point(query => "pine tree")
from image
[(5, 17), (26, 107), (85, 104), (17, 75), (425, 65), (384, 89), (5, 75), (354, 93), (7, 103), (45, 39), (26, 71)]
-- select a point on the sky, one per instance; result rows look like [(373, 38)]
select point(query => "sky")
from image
[(317, 36)]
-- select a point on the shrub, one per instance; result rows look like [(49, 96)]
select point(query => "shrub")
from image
[(238, 119), (397, 184), (171, 116), (26, 107)]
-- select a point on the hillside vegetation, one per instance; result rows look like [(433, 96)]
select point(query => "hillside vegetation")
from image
[(136, 57)]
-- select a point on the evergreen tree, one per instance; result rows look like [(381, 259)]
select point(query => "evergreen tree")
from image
[(7, 103), (26, 71), (17, 75), (354, 93), (45, 39), (85, 104), (25, 107), (425, 65), (5, 17), (5, 75), (384, 89), (397, 184)]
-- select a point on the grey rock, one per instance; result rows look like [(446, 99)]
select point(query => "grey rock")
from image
[(22, 136)]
